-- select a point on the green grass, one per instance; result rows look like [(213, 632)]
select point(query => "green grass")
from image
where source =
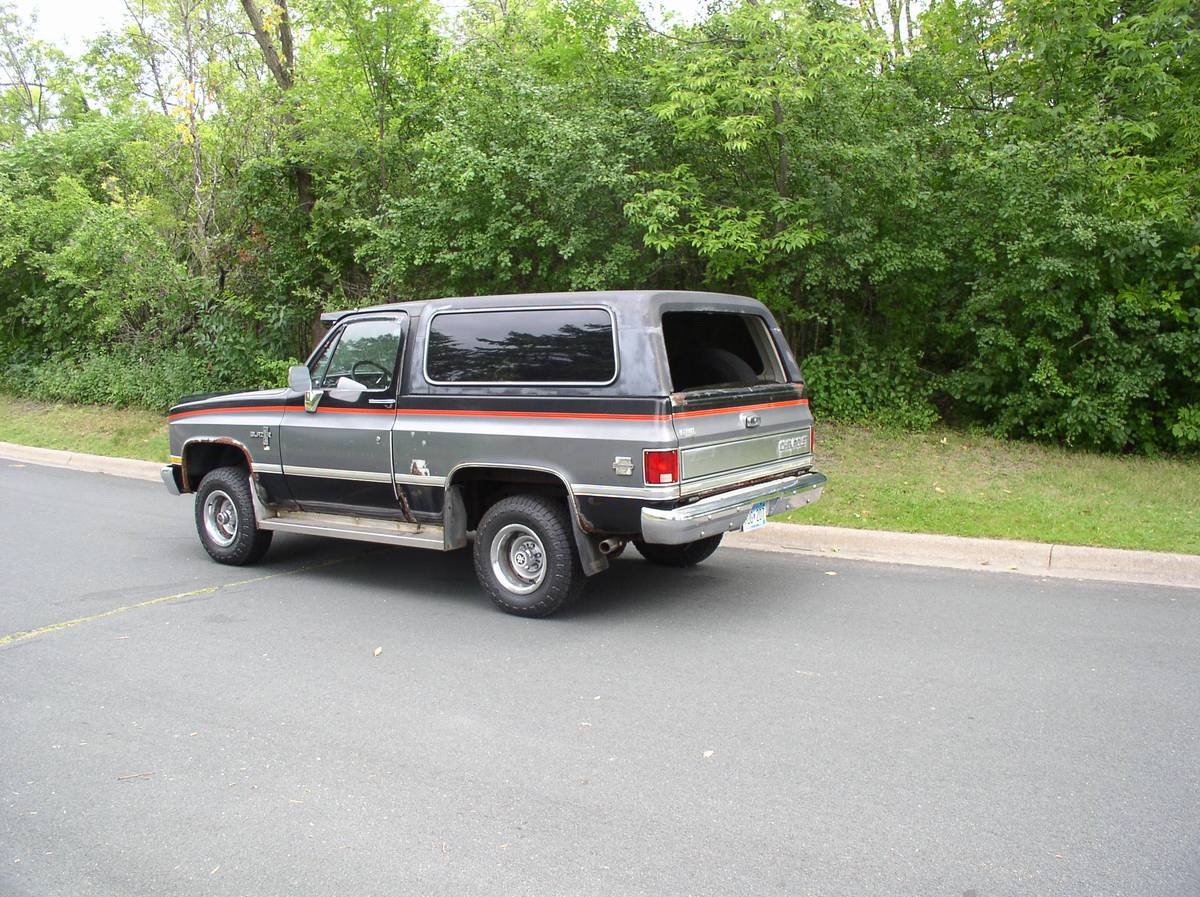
[(946, 481), (943, 481), (98, 430)]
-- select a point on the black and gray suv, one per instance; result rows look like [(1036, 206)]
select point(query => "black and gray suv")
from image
[(553, 429)]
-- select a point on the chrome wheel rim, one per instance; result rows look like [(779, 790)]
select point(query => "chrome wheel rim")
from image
[(220, 518), (518, 558)]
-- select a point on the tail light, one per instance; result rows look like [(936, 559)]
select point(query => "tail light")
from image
[(662, 467)]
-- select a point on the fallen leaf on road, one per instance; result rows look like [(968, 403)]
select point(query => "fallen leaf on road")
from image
[(831, 573), (707, 754), (214, 869), (378, 651)]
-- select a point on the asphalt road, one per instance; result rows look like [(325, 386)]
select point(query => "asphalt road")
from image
[(751, 727)]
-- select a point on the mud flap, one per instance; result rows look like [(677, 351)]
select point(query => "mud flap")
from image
[(591, 559)]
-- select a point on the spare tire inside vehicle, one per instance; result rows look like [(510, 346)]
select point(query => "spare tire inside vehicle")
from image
[(710, 366)]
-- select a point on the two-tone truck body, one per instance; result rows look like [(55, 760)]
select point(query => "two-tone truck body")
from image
[(555, 428)]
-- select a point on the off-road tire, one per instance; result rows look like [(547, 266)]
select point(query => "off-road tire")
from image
[(546, 518), (247, 544), (686, 555)]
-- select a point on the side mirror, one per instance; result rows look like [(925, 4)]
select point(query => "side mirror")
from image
[(347, 390), (299, 379)]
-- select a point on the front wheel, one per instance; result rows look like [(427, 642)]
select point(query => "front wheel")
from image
[(525, 556), (686, 555), (225, 518)]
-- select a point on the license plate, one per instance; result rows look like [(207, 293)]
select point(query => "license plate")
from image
[(756, 518)]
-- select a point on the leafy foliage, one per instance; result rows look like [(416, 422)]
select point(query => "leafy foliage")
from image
[(992, 211)]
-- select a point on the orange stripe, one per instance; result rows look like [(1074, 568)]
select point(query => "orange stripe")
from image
[(789, 404), (451, 412), (244, 409)]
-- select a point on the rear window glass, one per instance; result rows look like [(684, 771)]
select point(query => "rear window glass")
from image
[(530, 346), (711, 350)]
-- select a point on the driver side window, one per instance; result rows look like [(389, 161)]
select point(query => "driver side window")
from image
[(365, 351)]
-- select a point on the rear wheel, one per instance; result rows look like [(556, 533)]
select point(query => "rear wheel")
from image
[(525, 556), (225, 518), (686, 555)]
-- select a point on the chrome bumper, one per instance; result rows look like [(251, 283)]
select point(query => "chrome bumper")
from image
[(728, 511), (170, 478)]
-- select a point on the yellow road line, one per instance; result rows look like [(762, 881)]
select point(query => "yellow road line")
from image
[(6, 640)]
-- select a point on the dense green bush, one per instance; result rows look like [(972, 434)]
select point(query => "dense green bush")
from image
[(883, 389), (1000, 209), (155, 380)]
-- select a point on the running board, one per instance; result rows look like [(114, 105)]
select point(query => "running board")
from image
[(345, 526)]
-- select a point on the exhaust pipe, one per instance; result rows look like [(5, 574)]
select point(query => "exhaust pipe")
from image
[(611, 546)]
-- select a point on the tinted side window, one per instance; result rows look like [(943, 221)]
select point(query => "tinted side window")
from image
[(535, 346), (366, 351)]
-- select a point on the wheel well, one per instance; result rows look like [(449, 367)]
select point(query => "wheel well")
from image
[(482, 487), (201, 457)]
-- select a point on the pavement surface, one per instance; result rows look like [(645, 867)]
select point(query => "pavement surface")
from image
[(754, 726)]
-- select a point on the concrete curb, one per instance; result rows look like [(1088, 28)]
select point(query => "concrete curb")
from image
[(117, 467), (921, 549), (995, 555)]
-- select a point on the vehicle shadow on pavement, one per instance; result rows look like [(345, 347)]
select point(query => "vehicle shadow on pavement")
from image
[(630, 588)]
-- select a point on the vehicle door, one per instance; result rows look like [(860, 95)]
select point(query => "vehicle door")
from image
[(335, 444)]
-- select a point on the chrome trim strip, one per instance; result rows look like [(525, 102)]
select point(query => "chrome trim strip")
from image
[(533, 310), (268, 468), (731, 478), (412, 479), (360, 529), (330, 473), (649, 493)]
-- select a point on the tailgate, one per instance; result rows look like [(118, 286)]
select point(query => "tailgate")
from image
[(727, 436)]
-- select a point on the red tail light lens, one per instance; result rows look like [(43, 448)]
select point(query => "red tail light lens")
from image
[(661, 467)]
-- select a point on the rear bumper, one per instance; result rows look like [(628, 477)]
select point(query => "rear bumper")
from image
[(728, 511), (171, 479)]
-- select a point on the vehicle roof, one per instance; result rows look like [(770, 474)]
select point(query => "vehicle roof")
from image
[(619, 297)]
